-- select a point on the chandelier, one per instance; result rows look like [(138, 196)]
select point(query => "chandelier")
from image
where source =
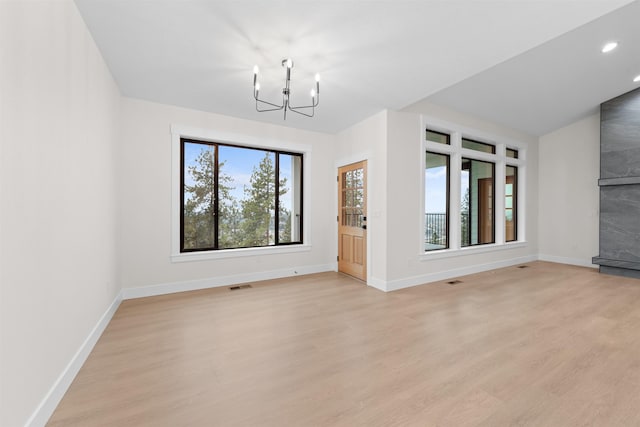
[(262, 106)]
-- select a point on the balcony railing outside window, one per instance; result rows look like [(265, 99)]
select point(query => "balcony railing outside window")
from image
[(436, 230)]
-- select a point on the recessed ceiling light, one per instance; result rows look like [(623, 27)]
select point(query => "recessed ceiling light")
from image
[(609, 47), (637, 79)]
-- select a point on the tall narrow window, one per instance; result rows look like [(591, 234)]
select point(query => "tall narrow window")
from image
[(238, 197), (477, 205), (436, 201), (511, 204), (290, 200)]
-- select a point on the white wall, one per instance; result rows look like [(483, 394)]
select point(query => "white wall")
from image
[(59, 112), (144, 166), (569, 196), (367, 140)]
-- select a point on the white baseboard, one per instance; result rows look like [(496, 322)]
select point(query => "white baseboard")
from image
[(564, 260), (55, 394), (214, 282), (394, 285), (379, 284)]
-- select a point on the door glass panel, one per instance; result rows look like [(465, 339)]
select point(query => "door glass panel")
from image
[(352, 198)]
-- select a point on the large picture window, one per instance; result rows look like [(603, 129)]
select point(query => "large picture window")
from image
[(238, 197), (474, 189)]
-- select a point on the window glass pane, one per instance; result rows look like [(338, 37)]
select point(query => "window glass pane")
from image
[(198, 208), (477, 202), (247, 183), (290, 181), (439, 137), (436, 201), (512, 153), (478, 146), (511, 203)]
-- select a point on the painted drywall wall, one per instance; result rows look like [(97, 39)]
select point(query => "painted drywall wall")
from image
[(59, 120), (144, 166), (367, 140), (569, 198)]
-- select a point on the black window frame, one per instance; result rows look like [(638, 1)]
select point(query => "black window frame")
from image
[(184, 140)]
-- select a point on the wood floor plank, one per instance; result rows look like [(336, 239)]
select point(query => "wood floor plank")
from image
[(545, 345)]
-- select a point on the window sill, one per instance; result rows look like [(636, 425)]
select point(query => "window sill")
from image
[(238, 253), (451, 253)]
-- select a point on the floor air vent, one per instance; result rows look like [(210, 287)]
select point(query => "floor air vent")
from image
[(454, 282), (235, 288)]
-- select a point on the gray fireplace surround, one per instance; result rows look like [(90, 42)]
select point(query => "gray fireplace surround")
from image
[(620, 186)]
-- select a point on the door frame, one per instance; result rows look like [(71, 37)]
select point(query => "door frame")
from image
[(346, 161)]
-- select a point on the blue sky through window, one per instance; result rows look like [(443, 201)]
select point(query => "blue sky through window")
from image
[(238, 164)]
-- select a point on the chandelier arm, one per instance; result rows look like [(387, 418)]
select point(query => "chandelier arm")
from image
[(277, 107), (313, 105), (300, 112)]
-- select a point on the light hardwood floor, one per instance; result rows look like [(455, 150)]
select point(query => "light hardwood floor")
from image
[(548, 345)]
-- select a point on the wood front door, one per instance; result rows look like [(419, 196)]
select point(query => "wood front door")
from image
[(352, 220)]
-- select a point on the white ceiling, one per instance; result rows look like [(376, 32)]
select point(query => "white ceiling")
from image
[(557, 82), (371, 54)]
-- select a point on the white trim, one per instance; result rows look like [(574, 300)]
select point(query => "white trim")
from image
[(215, 282), (178, 131), (470, 250), (379, 284), (213, 135), (435, 123), (55, 394), (238, 253), (566, 260), (394, 285)]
